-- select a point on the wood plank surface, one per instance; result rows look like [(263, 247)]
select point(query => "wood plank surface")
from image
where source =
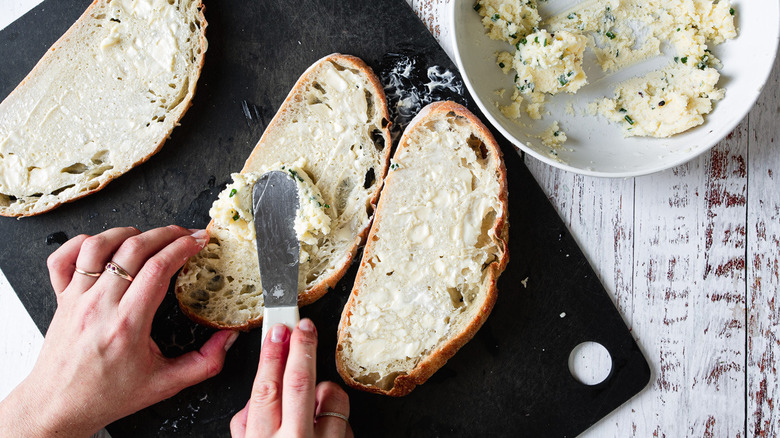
[(691, 258), (763, 262)]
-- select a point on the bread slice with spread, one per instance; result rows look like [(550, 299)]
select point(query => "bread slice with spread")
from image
[(427, 280), (331, 134), (103, 99)]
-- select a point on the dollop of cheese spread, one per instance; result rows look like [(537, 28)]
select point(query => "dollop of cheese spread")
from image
[(664, 102), (620, 33), (233, 208)]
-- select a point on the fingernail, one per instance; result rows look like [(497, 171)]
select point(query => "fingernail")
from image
[(231, 340), (306, 325), (201, 236), (279, 333)]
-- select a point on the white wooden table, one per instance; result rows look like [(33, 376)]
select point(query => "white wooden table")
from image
[(691, 257)]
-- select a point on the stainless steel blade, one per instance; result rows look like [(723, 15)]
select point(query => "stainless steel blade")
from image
[(275, 203)]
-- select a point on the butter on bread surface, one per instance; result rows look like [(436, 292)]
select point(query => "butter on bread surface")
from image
[(103, 99), (427, 280), (334, 123)]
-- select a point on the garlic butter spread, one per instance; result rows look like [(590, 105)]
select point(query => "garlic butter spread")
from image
[(553, 136), (429, 252), (335, 114), (508, 20), (545, 63), (96, 102), (663, 102), (621, 33), (155, 49), (233, 208)]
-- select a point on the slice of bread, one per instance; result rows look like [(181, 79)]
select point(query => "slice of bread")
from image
[(335, 120), (102, 100), (428, 276)]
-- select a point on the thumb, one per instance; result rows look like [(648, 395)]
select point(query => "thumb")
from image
[(197, 366)]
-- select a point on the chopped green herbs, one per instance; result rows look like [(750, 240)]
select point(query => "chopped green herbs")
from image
[(572, 16), (477, 6), (536, 40), (495, 17), (236, 216), (563, 80), (501, 64), (610, 35), (232, 193), (684, 59), (295, 175), (731, 11), (629, 120), (622, 110)]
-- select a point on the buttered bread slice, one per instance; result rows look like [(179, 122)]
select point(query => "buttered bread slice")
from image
[(331, 134), (427, 280), (103, 99)]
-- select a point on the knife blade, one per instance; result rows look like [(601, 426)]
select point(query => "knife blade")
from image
[(274, 204)]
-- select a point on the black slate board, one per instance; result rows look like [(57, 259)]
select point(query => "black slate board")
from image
[(511, 380)]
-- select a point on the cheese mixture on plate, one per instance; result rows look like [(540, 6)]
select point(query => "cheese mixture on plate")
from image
[(619, 33)]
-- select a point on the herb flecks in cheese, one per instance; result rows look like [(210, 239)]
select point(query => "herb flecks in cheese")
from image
[(544, 63), (508, 20), (233, 208), (664, 102), (620, 33), (624, 32), (553, 137)]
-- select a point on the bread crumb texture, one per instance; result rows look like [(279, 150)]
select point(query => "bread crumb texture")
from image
[(103, 99), (331, 135), (620, 33), (424, 275)]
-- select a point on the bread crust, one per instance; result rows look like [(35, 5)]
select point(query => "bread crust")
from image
[(404, 384), (315, 292), (176, 116)]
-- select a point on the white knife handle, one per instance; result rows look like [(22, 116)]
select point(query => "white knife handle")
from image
[(279, 315)]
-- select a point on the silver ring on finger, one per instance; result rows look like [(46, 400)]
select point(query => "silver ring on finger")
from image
[(88, 274), (118, 271), (331, 414)]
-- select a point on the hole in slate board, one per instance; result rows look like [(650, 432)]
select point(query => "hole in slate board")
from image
[(590, 363)]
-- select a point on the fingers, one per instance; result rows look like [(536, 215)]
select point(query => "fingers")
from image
[(265, 404), (150, 284), (238, 423), (299, 380), (196, 366), (331, 398), (95, 252), (134, 252), (62, 263)]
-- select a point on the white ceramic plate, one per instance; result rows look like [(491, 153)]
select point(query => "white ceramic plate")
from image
[(594, 146)]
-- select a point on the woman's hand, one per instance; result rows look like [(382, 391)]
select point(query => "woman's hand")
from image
[(284, 400), (98, 361)]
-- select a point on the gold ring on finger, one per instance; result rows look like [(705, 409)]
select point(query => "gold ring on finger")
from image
[(332, 414), (118, 271), (88, 274)]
